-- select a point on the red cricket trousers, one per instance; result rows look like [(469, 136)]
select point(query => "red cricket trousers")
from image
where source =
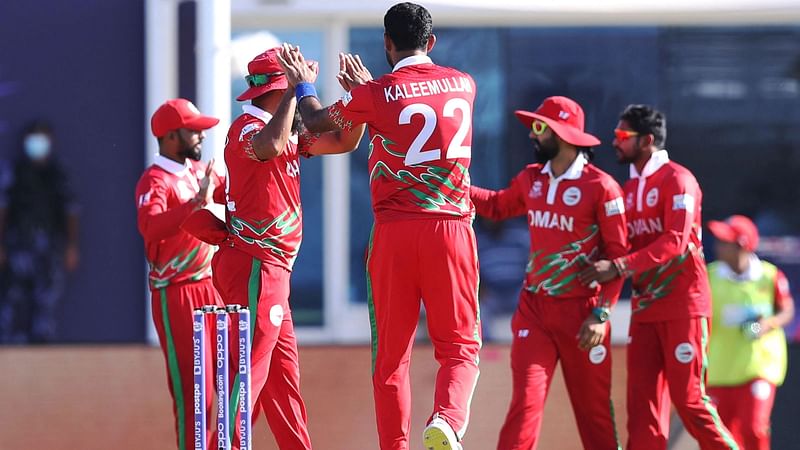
[(746, 410), (172, 314), (545, 332), (432, 261), (275, 378), (668, 360)]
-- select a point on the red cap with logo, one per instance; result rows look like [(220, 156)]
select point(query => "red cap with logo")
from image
[(179, 113), (265, 74), (736, 229), (564, 116)]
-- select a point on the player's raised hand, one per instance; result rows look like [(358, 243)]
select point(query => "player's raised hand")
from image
[(297, 69), (206, 192), (352, 72)]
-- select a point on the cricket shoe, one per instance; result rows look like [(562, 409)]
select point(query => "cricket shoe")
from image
[(438, 435)]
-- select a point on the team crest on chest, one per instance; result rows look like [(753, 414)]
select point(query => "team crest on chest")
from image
[(536, 189), (629, 201), (652, 197), (571, 196)]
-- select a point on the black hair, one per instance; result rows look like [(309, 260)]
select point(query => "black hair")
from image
[(408, 25), (645, 119), (588, 152)]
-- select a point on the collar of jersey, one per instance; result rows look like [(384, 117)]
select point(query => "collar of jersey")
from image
[(572, 173), (655, 162), (255, 111), (753, 272), (171, 166), (411, 61)]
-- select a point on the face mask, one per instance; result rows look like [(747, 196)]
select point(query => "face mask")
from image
[(37, 146)]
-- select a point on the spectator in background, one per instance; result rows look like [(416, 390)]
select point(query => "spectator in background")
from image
[(747, 349), (38, 239), (503, 248)]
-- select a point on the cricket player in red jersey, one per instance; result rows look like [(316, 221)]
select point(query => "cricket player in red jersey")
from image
[(176, 185), (422, 245), (264, 225), (667, 352), (575, 214)]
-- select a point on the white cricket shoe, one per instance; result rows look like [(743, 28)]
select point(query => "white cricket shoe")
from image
[(438, 435)]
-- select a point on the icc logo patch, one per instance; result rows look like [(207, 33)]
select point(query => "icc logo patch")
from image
[(652, 197), (571, 196), (684, 353)]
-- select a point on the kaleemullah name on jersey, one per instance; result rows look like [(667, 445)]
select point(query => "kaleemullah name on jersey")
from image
[(425, 88), (638, 227), (550, 220)]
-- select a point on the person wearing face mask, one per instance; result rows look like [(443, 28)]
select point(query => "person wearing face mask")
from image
[(174, 187), (575, 214), (38, 240)]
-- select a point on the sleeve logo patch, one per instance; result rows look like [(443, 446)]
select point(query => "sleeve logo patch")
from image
[(615, 207), (683, 201), (249, 128)]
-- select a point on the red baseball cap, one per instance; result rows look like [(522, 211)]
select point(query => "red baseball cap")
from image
[(736, 229), (179, 113), (564, 116), (265, 74)]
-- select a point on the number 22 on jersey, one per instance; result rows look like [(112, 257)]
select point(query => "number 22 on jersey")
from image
[(456, 148)]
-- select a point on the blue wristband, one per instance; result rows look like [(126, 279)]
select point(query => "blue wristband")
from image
[(303, 90)]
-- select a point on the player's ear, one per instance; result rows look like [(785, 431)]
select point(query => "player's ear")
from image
[(431, 42), (647, 140)]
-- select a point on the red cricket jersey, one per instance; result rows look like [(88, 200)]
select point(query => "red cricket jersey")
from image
[(163, 196), (420, 128), (665, 230), (263, 212), (573, 219)]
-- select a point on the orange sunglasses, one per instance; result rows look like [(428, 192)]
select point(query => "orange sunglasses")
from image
[(622, 135)]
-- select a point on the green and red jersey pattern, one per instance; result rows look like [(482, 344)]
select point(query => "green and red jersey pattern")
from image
[(420, 130), (575, 219), (667, 265), (163, 197), (263, 211)]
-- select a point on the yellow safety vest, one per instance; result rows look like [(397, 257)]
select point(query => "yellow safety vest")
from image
[(735, 359)]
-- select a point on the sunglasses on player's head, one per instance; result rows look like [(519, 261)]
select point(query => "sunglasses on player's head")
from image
[(260, 79), (538, 127), (621, 135)]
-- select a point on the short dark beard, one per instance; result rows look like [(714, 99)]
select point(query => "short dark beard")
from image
[(545, 151), (189, 152)]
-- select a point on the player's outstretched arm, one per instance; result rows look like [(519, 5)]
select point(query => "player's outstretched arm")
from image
[(336, 142), (301, 76)]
